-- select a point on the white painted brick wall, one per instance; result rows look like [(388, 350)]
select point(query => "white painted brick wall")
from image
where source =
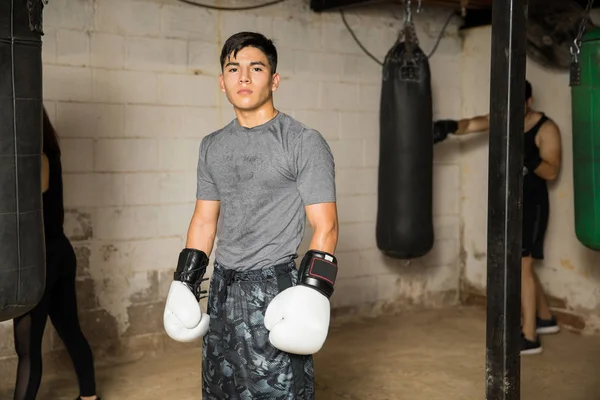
[(132, 88)]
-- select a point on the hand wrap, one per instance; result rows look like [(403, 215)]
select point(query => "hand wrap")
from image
[(191, 268), (318, 270)]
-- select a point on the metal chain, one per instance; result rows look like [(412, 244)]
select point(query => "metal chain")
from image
[(576, 47)]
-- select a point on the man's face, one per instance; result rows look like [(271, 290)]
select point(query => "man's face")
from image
[(247, 80)]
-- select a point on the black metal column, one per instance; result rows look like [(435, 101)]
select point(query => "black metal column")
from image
[(507, 110)]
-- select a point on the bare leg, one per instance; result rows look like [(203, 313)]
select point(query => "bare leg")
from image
[(528, 298), (543, 309)]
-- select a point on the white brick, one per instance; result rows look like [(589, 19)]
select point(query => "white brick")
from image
[(361, 69), (357, 208), (288, 31), (155, 255), (94, 190), (174, 219), (378, 39), (79, 223), (340, 96), (244, 21), (173, 188), (327, 123), (447, 227), (171, 122), (347, 153), (127, 223), (356, 236), (351, 265), (189, 90), (355, 292), (445, 277), (366, 262), (178, 154), (125, 86), (156, 54), (126, 155), (444, 252), (142, 188), (107, 50), (50, 107), (446, 190), (313, 65), (128, 17), (189, 22), (136, 256), (359, 125), (297, 95), (203, 58), (369, 97), (73, 48), (49, 46), (77, 154), (336, 38), (67, 83), (371, 152), (356, 181), (90, 120), (69, 14)]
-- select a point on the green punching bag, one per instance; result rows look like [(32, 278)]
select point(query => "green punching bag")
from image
[(585, 106)]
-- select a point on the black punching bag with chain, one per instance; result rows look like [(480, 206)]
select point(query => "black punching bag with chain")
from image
[(404, 212), (22, 253)]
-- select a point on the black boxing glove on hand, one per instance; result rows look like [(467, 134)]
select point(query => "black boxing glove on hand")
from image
[(442, 128), (190, 271), (318, 270)]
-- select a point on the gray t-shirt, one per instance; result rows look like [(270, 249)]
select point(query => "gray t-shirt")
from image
[(263, 177)]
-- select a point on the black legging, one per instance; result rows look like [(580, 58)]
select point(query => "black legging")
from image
[(60, 303)]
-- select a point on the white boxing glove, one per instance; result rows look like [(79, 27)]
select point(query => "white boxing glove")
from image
[(298, 317), (183, 318)]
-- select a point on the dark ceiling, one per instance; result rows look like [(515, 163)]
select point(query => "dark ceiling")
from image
[(330, 5), (327, 5), (478, 12)]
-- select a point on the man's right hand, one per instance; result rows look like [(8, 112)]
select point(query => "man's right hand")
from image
[(183, 318), (442, 128)]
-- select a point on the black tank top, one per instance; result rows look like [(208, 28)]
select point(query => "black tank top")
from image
[(533, 185), (54, 213)]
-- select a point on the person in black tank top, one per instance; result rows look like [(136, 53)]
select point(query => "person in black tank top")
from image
[(59, 301), (541, 163)]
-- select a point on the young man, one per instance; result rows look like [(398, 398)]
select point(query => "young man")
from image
[(259, 177), (542, 157)]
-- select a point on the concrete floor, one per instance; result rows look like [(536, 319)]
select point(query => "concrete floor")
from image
[(431, 355)]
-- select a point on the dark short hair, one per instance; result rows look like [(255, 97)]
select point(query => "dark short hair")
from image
[(528, 90), (241, 40)]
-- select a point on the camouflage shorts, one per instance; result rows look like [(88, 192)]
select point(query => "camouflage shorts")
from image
[(238, 362)]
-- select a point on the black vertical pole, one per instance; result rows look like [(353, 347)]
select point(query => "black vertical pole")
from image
[(507, 111)]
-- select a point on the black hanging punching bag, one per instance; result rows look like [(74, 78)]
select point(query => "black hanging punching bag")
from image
[(404, 212), (22, 253)]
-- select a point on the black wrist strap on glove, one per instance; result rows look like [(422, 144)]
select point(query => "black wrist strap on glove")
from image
[(318, 270), (191, 268)]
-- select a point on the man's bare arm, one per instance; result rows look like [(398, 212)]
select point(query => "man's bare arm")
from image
[(550, 151), (323, 219), (473, 125), (203, 226)]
